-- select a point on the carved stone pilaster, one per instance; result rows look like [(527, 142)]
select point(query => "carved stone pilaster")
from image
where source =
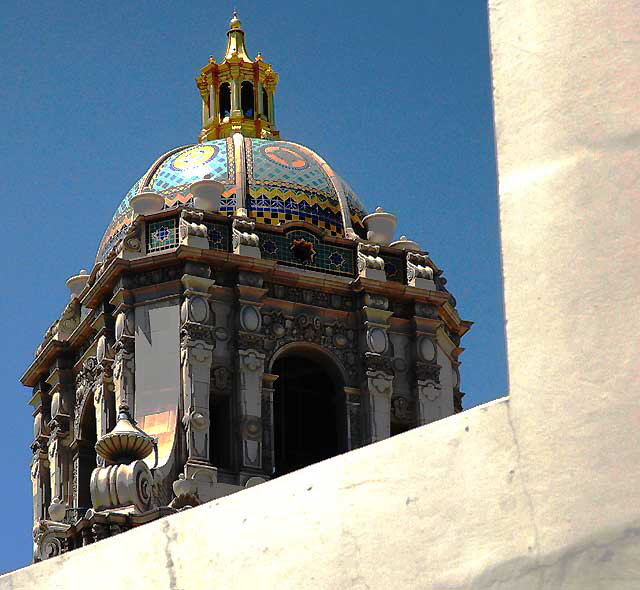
[(428, 386), (123, 367), (40, 477), (370, 264), (428, 394), (251, 365), (419, 273), (60, 464), (40, 483), (380, 389), (196, 345), (60, 426), (403, 405), (196, 357)]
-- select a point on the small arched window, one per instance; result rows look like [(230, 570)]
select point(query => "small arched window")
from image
[(265, 104), (246, 99), (225, 100)]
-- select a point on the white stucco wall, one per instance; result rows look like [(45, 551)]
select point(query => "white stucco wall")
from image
[(537, 491)]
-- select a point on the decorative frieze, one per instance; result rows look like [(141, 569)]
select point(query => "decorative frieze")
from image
[(279, 329), (152, 277), (311, 297)]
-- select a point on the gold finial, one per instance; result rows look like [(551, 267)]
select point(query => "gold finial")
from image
[(259, 56), (235, 23), (212, 59), (235, 41)]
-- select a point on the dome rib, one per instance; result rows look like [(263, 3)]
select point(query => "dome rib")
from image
[(144, 182), (337, 185)]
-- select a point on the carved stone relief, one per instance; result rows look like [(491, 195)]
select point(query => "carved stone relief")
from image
[(279, 329), (311, 297)]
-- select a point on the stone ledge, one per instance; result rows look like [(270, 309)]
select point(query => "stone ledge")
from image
[(442, 506)]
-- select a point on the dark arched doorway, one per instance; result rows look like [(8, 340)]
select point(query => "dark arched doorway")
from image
[(309, 416)]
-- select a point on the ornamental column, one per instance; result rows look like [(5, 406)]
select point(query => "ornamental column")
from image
[(40, 477), (62, 393), (426, 367), (124, 360), (236, 111), (196, 346), (251, 359), (379, 372), (251, 365)]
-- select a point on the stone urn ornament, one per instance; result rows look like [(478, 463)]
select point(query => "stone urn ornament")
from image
[(146, 202), (380, 226), (207, 194), (76, 283), (405, 244)]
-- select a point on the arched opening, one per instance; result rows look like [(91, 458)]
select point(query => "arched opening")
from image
[(309, 412), (247, 99), (265, 104), (225, 100), (86, 453)]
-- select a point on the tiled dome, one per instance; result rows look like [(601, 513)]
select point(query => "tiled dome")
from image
[(284, 182)]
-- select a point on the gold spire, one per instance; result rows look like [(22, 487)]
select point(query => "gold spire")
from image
[(238, 93), (235, 40)]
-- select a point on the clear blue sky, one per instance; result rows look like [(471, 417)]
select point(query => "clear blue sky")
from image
[(396, 96)]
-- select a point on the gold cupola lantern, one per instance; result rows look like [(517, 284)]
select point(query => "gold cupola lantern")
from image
[(237, 94)]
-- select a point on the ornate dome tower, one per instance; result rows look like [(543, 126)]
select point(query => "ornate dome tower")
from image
[(244, 317)]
